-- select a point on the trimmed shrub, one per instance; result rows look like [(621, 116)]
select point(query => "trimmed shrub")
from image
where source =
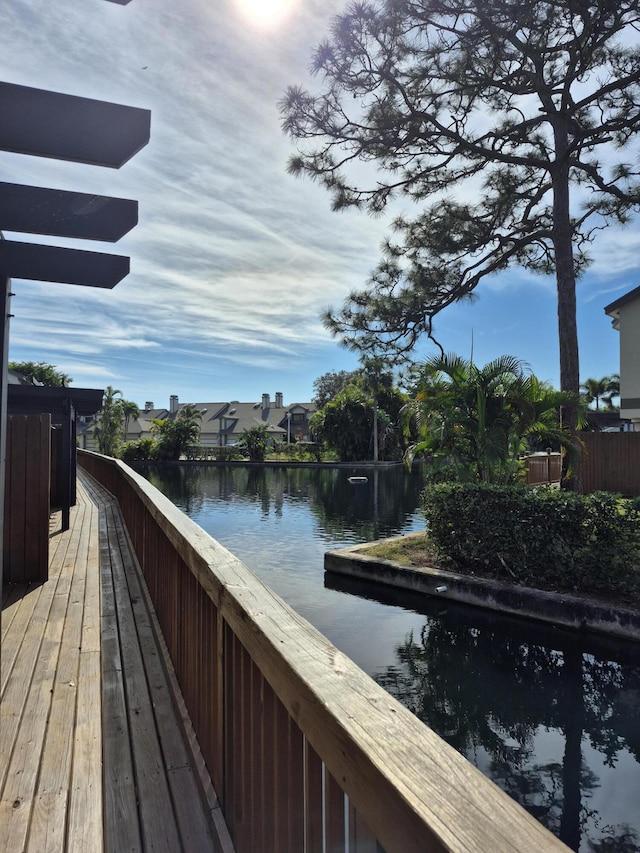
[(299, 451), (229, 453), (545, 538), (204, 453), (140, 450)]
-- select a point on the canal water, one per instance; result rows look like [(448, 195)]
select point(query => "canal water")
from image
[(550, 716)]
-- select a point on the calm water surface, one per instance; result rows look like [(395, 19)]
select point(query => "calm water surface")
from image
[(550, 717)]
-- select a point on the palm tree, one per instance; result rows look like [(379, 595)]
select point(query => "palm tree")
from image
[(613, 390), (478, 420), (535, 407), (109, 422), (176, 435), (129, 410), (605, 389), (376, 375), (190, 415), (255, 440)]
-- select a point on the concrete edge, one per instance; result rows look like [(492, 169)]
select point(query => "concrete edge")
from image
[(554, 608)]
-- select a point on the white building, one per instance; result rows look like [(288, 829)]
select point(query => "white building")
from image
[(625, 317)]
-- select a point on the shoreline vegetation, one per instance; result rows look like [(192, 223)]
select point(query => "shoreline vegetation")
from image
[(416, 550), (551, 540), (545, 539)]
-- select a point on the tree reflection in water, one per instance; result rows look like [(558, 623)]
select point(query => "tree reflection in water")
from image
[(494, 695), (377, 508)]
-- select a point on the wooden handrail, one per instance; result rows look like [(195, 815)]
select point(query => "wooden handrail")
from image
[(289, 725)]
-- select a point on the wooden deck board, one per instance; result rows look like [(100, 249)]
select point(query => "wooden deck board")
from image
[(17, 802), (85, 798), (94, 751), (157, 817), (122, 828), (193, 828), (14, 627), (47, 831)]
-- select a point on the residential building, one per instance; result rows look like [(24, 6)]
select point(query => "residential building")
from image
[(223, 423), (625, 317)]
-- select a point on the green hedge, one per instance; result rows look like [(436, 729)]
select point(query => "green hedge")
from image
[(140, 450), (203, 453), (544, 538)]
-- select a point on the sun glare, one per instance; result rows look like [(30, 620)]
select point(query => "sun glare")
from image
[(265, 13)]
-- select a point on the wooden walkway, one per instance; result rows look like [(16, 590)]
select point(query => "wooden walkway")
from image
[(96, 750)]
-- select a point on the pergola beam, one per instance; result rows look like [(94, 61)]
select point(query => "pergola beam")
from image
[(67, 127), (59, 213), (54, 263)]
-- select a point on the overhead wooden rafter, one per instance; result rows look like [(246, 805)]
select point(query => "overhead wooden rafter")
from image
[(36, 210), (56, 263), (65, 127)]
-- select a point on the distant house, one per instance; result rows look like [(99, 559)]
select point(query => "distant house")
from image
[(606, 421), (223, 423), (625, 317)]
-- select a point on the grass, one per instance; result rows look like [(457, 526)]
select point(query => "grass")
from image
[(414, 549)]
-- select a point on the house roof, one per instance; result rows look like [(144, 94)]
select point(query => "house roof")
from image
[(209, 411), (248, 415), (237, 416), (613, 309)]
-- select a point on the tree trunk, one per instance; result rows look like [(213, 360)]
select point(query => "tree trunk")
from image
[(566, 286), (375, 428)]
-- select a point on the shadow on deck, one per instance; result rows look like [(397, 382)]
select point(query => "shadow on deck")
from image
[(96, 748)]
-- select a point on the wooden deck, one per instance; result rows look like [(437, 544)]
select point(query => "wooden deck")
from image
[(96, 750)]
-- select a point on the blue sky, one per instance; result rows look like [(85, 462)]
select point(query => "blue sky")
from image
[(233, 259)]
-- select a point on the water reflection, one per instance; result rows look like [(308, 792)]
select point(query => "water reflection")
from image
[(380, 507), (545, 713)]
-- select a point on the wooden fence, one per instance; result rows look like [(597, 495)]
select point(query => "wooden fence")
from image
[(306, 752), (543, 468), (611, 462), (26, 501)]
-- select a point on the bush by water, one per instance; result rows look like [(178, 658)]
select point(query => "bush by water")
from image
[(544, 538)]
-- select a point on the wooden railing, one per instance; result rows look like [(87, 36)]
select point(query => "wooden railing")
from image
[(306, 752)]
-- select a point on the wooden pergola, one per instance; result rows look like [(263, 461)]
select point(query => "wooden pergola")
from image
[(41, 123)]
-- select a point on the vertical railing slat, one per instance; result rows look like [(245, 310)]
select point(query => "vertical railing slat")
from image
[(314, 801), (334, 824), (361, 838), (296, 786)]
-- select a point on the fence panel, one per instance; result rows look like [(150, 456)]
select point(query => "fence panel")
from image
[(611, 462), (26, 502), (543, 468)]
